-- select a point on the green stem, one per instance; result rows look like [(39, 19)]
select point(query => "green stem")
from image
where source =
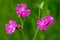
[(22, 30), (37, 28), (39, 14), (11, 37), (35, 34), (22, 34)]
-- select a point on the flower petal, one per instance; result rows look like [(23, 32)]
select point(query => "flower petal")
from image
[(27, 12), (50, 19), (23, 6), (45, 27)]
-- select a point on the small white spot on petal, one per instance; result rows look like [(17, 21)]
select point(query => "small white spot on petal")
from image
[(52, 18)]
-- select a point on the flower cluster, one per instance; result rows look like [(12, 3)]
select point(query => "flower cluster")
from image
[(43, 22), (21, 12)]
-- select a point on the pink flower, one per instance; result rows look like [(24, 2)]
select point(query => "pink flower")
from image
[(50, 19), (21, 10), (43, 23), (11, 27)]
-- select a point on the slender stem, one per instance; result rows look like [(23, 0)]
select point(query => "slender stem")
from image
[(22, 34), (37, 28), (22, 30), (11, 37), (39, 14), (35, 34)]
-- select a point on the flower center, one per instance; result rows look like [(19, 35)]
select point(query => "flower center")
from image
[(42, 23), (10, 26), (22, 9)]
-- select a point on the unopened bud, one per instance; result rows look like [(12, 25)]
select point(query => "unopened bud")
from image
[(41, 5)]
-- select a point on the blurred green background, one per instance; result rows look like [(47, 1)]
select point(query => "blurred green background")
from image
[(7, 12)]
